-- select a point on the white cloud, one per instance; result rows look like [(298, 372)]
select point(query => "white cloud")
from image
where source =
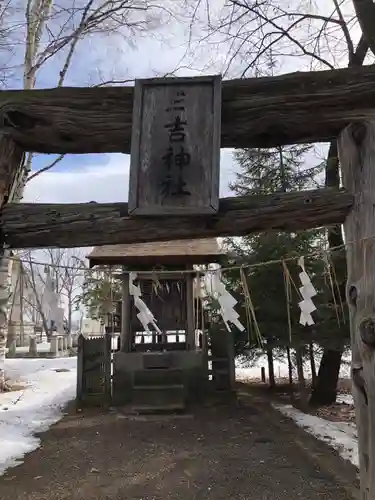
[(107, 183)]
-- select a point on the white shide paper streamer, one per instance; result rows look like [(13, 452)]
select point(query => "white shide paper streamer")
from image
[(226, 301), (307, 291), (145, 316)]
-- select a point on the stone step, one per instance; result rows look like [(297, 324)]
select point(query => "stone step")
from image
[(159, 396), (143, 409), (158, 376), (158, 387)]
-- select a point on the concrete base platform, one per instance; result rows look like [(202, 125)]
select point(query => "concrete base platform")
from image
[(172, 378)]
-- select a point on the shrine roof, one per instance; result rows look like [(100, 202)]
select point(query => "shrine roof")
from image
[(175, 252)]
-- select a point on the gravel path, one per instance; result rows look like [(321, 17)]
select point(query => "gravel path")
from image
[(240, 453)]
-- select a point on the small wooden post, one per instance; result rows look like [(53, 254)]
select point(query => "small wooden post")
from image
[(107, 369), (190, 324), (125, 314), (356, 148), (175, 150), (263, 374), (80, 361)]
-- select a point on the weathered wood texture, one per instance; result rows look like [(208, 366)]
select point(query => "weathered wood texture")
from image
[(11, 162), (30, 225), (222, 358), (125, 335), (357, 158), (258, 112), (175, 153), (94, 371), (190, 325)]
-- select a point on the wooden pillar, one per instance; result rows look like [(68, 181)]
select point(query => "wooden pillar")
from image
[(356, 148), (125, 315), (190, 326), (11, 183)]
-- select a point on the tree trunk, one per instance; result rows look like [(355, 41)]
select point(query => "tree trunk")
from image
[(299, 363), (301, 376), (357, 157), (312, 365), (290, 365), (325, 390), (38, 303), (15, 294), (271, 372), (4, 299), (70, 312), (22, 291)]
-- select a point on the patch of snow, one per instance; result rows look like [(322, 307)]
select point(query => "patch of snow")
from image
[(35, 407), (246, 371), (345, 367), (251, 370), (345, 398), (341, 436)]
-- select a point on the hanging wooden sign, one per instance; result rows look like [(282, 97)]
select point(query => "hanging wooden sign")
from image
[(175, 150)]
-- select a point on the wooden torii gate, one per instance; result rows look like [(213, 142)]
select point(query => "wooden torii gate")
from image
[(262, 112)]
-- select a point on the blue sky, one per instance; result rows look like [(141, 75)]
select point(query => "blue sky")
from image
[(100, 178), (104, 177)]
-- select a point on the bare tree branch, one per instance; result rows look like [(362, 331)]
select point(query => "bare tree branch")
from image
[(345, 29), (46, 168), (33, 280), (259, 34)]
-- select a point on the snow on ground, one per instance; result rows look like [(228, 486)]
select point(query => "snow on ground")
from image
[(33, 409), (251, 370), (341, 436), (46, 390), (345, 398)]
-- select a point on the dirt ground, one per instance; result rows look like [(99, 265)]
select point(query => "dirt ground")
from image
[(245, 451), (336, 412)]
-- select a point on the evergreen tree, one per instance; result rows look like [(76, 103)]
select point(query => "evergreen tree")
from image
[(267, 171)]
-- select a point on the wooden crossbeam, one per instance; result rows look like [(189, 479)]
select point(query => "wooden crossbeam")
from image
[(87, 224), (257, 112)]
